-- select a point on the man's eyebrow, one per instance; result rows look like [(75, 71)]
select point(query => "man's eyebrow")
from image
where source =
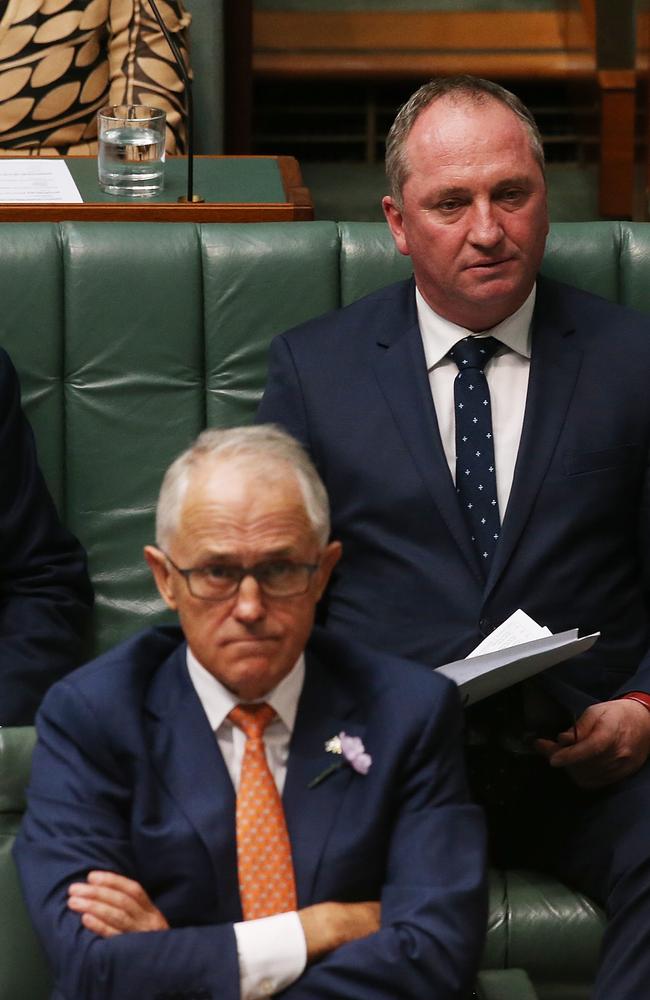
[(450, 192), (227, 556), (519, 180), (459, 191)]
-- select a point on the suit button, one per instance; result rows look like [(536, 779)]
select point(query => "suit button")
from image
[(485, 626)]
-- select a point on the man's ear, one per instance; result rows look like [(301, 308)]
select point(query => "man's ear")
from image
[(329, 558), (395, 222), (162, 575)]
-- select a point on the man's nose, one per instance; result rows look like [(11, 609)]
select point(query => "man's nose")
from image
[(486, 229), (249, 604)]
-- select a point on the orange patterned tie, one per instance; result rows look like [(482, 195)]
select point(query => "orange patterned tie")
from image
[(266, 879)]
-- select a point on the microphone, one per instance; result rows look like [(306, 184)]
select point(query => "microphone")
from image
[(185, 77)]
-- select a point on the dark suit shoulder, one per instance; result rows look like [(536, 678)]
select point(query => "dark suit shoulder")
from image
[(392, 304), (7, 369), (587, 311), (10, 398), (120, 677), (370, 673)]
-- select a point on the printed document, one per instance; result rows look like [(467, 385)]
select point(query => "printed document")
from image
[(37, 180)]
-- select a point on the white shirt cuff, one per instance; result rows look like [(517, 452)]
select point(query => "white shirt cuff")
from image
[(272, 954)]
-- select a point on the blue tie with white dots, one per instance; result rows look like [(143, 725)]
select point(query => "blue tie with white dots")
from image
[(476, 483)]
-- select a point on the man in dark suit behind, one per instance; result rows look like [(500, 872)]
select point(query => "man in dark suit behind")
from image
[(135, 836), (562, 413), (45, 593)]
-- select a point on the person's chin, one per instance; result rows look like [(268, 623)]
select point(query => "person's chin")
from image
[(251, 667), (251, 651), (499, 285)]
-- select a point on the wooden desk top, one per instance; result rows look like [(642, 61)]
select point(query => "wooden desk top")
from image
[(235, 188)]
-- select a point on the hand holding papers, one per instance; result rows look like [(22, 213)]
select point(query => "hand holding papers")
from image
[(516, 650)]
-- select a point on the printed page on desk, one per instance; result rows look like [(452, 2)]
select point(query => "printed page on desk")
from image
[(516, 650), (37, 181)]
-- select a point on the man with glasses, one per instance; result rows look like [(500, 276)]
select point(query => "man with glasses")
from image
[(245, 805)]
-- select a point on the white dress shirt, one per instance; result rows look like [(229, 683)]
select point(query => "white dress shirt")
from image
[(272, 951), (507, 377)]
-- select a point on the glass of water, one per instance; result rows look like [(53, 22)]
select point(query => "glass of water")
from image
[(131, 156)]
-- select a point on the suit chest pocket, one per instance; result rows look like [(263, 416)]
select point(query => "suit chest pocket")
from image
[(624, 458)]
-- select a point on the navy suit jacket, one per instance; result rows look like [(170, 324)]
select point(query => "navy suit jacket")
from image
[(128, 776), (353, 387), (45, 594)]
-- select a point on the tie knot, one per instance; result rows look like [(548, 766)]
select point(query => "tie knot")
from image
[(474, 352), (252, 719)]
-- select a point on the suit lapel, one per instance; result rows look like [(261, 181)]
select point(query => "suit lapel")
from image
[(189, 763), (323, 711), (401, 370), (554, 368)]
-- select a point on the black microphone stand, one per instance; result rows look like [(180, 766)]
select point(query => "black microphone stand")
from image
[(185, 77)]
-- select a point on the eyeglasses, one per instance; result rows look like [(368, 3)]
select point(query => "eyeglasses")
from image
[(274, 577)]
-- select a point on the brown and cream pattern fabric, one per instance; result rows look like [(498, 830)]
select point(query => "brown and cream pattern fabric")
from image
[(62, 60)]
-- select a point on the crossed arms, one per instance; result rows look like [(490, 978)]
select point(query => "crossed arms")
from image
[(81, 820)]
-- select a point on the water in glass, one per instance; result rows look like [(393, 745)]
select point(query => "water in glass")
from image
[(131, 160)]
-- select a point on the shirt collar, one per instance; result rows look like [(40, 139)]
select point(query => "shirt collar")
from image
[(217, 700), (439, 335)]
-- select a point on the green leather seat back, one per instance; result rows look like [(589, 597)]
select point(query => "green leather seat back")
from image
[(607, 258), (505, 984), (24, 973), (130, 338), (537, 923)]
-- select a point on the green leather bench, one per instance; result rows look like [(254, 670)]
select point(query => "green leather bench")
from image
[(129, 340)]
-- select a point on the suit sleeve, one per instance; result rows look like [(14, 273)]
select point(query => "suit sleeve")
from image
[(640, 680), (433, 901), (78, 820), (45, 594), (282, 402)]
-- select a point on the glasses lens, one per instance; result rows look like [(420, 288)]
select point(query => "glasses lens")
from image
[(279, 578), (214, 583), (283, 578)]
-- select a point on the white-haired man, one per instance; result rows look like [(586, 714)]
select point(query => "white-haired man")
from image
[(241, 806)]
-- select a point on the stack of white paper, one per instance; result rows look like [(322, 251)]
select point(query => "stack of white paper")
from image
[(518, 649)]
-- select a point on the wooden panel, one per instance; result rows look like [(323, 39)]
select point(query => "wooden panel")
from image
[(238, 77), (642, 48), (123, 212), (282, 30), (532, 43), (514, 66), (617, 127), (588, 8), (642, 40)]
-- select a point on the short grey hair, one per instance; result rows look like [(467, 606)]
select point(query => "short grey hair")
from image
[(265, 445), (472, 89)]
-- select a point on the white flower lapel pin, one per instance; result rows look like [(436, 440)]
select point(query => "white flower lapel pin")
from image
[(351, 751)]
